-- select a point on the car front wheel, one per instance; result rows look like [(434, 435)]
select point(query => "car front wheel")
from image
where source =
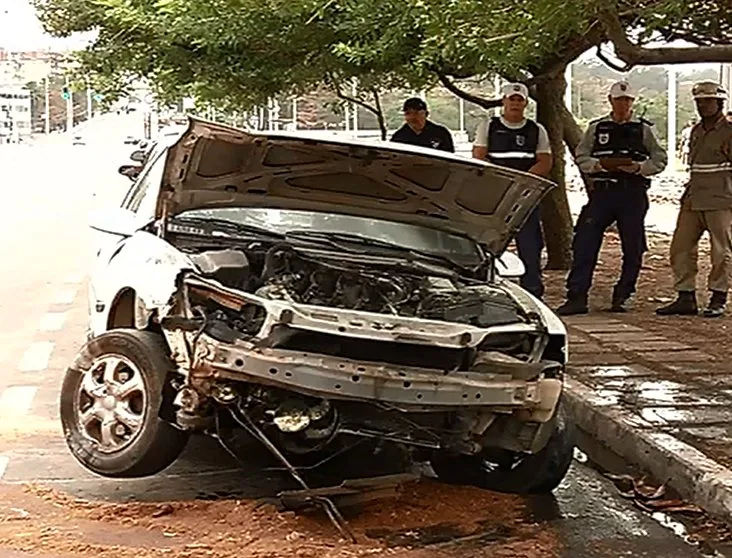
[(111, 402), (538, 473)]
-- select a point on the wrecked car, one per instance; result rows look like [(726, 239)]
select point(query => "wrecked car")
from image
[(312, 295)]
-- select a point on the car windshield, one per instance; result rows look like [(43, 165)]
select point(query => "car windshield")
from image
[(403, 235)]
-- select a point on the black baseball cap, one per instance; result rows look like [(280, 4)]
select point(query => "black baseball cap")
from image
[(415, 103)]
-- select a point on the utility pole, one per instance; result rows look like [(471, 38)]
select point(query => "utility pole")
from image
[(461, 107), (294, 114), (497, 88), (725, 76), (69, 105), (88, 103), (568, 90), (354, 91), (46, 107), (671, 127)]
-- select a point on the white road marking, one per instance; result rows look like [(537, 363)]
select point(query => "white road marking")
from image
[(36, 356), (3, 465), (52, 321), (74, 278), (17, 400), (66, 296)]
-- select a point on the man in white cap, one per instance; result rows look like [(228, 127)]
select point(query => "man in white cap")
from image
[(706, 205), (618, 153), (514, 141)]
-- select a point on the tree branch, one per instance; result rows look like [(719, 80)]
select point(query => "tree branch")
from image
[(376, 110), (355, 100), (636, 55), (455, 90)]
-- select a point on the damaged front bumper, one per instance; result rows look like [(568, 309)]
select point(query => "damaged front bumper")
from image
[(337, 378), (493, 383)]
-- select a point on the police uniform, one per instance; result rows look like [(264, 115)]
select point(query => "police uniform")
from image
[(432, 135), (615, 196), (516, 146), (706, 205)]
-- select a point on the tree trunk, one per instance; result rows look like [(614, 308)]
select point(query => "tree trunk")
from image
[(555, 215), (379, 114)]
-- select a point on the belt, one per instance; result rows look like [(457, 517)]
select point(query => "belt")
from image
[(619, 184)]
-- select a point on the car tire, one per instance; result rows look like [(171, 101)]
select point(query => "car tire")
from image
[(112, 402), (539, 473)]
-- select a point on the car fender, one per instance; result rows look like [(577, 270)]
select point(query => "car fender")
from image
[(145, 265)]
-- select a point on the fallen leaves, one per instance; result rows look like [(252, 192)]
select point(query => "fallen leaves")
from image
[(649, 498)]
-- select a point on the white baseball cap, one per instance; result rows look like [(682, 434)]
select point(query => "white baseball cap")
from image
[(622, 89), (515, 89)]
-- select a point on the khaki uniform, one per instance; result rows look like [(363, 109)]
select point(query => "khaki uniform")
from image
[(706, 206)]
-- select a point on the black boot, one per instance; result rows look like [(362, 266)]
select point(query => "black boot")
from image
[(575, 304), (684, 305), (715, 309), (618, 304)]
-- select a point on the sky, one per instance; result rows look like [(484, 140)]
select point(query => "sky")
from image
[(21, 30)]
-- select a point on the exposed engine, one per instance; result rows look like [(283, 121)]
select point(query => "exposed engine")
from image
[(358, 284)]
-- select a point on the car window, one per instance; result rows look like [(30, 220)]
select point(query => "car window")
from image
[(149, 181)]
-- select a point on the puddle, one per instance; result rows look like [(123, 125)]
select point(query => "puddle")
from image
[(613, 371), (606, 397), (694, 415), (659, 391)]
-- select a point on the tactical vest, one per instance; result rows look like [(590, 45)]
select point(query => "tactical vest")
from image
[(613, 139), (512, 147)]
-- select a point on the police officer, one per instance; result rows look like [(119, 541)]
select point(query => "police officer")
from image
[(417, 130), (514, 141), (706, 205), (619, 153)]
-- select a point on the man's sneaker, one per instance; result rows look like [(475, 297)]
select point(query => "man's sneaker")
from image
[(717, 302), (574, 305), (684, 305)]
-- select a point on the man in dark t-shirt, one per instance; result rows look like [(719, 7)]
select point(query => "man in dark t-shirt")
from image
[(417, 130)]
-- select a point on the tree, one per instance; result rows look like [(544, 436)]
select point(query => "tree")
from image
[(238, 53)]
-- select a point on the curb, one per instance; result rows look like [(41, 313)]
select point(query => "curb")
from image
[(696, 478)]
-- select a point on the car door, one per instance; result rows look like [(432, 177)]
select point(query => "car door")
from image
[(136, 210)]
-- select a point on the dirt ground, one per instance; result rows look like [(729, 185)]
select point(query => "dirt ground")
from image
[(53, 525)]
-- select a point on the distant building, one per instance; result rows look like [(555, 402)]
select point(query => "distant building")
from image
[(24, 66), (15, 114)]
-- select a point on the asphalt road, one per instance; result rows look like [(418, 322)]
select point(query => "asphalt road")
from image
[(49, 190)]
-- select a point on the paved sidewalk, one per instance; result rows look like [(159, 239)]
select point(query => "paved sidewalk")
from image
[(658, 402)]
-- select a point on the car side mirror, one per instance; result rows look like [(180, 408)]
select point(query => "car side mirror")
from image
[(130, 171), (138, 155), (116, 221)]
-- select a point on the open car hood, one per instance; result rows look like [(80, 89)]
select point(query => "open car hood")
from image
[(213, 165)]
